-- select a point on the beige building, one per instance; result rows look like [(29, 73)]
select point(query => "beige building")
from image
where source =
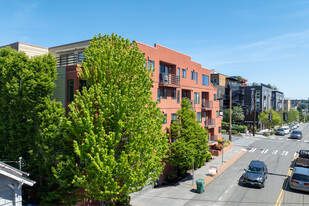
[(287, 104), (29, 49)]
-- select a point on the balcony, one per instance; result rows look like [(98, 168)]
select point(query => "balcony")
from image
[(210, 122), (169, 79), (69, 59), (207, 105)]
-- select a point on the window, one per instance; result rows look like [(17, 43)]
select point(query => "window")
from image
[(158, 95), (205, 114), (163, 93), (173, 117), (178, 96), (217, 113), (205, 80), (173, 94), (80, 56), (195, 77), (196, 98), (70, 90), (151, 65), (192, 75), (214, 81), (165, 119), (199, 117), (215, 97), (184, 73), (178, 71), (219, 130)]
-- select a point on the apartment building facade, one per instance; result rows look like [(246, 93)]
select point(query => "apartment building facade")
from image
[(277, 100), (175, 77)]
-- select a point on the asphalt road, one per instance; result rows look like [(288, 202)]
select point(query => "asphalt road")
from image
[(277, 152)]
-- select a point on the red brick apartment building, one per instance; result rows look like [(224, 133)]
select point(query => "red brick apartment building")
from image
[(175, 77)]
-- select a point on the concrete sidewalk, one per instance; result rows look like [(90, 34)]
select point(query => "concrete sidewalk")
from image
[(184, 191)]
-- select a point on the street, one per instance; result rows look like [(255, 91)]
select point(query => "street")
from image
[(277, 152)]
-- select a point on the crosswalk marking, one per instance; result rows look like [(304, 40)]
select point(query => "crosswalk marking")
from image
[(252, 150), (264, 151), (275, 152), (306, 140), (284, 153), (281, 138)]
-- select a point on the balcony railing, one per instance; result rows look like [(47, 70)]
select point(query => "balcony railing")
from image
[(169, 79), (210, 122), (69, 59), (206, 104)]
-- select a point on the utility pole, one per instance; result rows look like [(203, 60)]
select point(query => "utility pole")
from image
[(254, 114), (230, 119)]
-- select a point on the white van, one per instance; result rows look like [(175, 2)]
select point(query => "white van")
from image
[(286, 129)]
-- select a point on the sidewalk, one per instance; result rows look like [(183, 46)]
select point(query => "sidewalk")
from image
[(184, 191)]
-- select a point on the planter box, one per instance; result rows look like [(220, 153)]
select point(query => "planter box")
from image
[(219, 152)]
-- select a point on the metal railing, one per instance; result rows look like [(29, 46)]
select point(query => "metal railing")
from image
[(210, 122), (206, 104), (169, 79), (69, 59)]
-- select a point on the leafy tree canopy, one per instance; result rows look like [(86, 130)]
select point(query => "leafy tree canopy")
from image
[(115, 142), (264, 118)]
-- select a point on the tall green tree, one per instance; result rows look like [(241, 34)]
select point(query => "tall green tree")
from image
[(237, 115), (115, 143), (29, 119), (264, 118), (189, 139)]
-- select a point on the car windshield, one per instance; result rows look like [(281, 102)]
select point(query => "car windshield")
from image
[(280, 129), (254, 169), (304, 153), (300, 177), (296, 132)]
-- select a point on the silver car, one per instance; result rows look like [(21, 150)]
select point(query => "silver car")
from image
[(299, 180)]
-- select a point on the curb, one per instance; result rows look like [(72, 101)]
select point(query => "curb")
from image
[(221, 169)]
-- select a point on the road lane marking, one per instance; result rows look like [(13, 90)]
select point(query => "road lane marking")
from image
[(281, 195), (284, 153), (252, 150), (264, 151), (280, 138), (275, 152)]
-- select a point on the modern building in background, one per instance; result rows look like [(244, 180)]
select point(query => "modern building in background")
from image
[(277, 100), (287, 104), (29, 49)]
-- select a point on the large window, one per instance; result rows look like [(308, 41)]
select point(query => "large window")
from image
[(80, 56), (205, 80), (178, 96), (199, 117), (195, 77), (151, 65), (184, 73), (173, 117), (163, 93), (173, 94), (70, 90), (217, 113), (215, 97), (196, 98), (192, 75)]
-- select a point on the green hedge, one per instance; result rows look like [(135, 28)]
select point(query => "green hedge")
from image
[(208, 156)]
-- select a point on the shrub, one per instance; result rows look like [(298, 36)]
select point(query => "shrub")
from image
[(171, 177), (234, 132), (223, 131), (242, 128), (219, 140), (224, 124), (208, 156), (266, 134), (218, 146)]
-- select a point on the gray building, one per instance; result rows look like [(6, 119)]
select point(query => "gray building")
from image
[(263, 101), (11, 181), (277, 100)]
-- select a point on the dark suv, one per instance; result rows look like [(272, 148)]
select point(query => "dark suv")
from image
[(255, 175)]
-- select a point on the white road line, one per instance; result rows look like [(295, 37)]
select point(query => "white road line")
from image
[(252, 150), (284, 153), (275, 152), (264, 151), (280, 138)]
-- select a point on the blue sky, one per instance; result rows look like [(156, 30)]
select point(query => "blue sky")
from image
[(264, 41)]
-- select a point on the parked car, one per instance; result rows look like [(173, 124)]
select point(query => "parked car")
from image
[(296, 134), (293, 126), (286, 129), (302, 158), (299, 180), (280, 131), (255, 175)]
